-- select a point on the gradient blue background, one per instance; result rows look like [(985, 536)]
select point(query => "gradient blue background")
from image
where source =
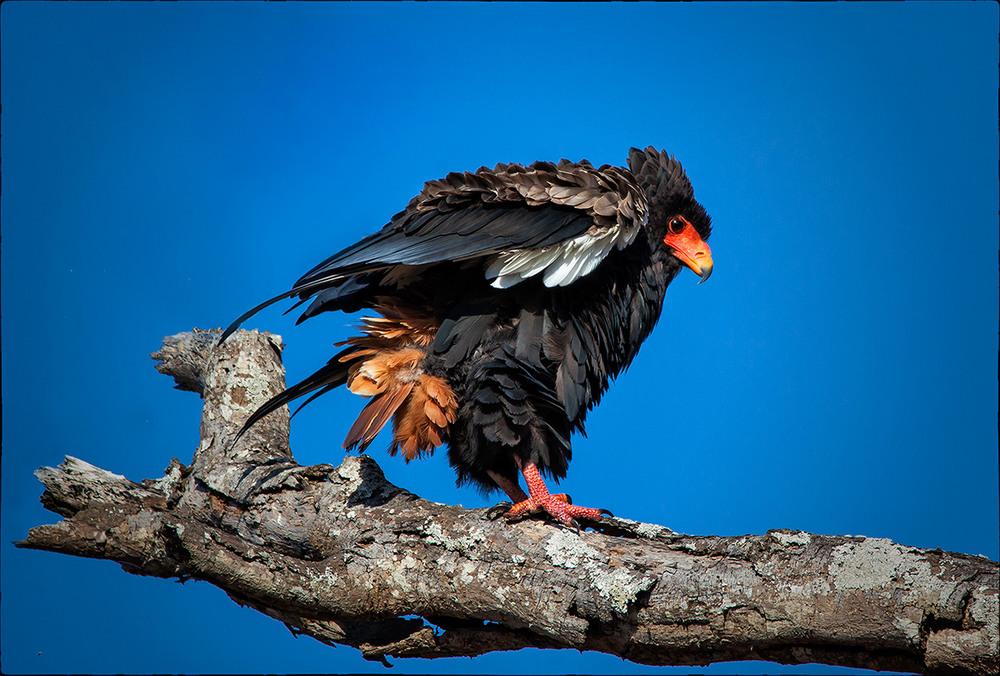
[(166, 166)]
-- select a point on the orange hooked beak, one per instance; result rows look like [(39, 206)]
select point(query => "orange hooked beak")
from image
[(689, 248)]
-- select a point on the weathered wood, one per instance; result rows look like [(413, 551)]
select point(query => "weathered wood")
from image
[(342, 555)]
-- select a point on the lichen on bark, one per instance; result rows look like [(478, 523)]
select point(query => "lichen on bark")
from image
[(340, 554)]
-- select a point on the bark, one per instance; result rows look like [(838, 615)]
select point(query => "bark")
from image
[(341, 555)]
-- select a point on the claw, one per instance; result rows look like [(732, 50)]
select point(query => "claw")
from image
[(498, 510)]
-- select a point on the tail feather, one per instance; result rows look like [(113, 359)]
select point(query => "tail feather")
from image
[(315, 395), (375, 415), (305, 291), (333, 374)]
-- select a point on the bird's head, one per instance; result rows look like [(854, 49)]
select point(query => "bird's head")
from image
[(675, 216)]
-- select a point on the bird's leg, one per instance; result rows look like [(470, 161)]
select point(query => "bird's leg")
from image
[(511, 488), (540, 500)]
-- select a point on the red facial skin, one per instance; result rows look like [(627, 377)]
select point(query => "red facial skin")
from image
[(689, 248)]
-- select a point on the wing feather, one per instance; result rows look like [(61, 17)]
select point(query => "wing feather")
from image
[(562, 214)]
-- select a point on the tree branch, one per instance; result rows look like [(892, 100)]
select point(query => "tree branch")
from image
[(341, 555)]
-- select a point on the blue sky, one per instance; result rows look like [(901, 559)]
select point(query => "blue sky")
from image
[(167, 166)]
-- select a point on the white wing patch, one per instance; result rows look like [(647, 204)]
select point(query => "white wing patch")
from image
[(562, 263)]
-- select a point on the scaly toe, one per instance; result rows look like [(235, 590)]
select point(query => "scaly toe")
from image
[(585, 512), (565, 512), (523, 509)]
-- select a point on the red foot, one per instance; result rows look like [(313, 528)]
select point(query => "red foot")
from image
[(540, 500)]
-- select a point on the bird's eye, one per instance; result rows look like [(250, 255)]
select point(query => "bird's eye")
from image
[(676, 225)]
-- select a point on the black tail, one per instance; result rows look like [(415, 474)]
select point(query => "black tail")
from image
[(304, 291), (333, 375), (250, 313)]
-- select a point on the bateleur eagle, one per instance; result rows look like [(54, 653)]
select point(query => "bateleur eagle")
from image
[(509, 298)]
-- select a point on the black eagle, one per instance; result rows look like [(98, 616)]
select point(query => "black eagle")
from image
[(508, 299)]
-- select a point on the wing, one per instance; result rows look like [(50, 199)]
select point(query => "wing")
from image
[(557, 220)]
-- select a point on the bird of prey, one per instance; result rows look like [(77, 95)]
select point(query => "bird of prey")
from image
[(507, 301)]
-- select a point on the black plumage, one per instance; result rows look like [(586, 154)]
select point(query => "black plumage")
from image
[(509, 300)]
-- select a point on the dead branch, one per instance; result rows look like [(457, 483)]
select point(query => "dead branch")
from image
[(341, 555)]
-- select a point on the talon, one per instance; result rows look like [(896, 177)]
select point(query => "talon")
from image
[(606, 512), (498, 510)]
